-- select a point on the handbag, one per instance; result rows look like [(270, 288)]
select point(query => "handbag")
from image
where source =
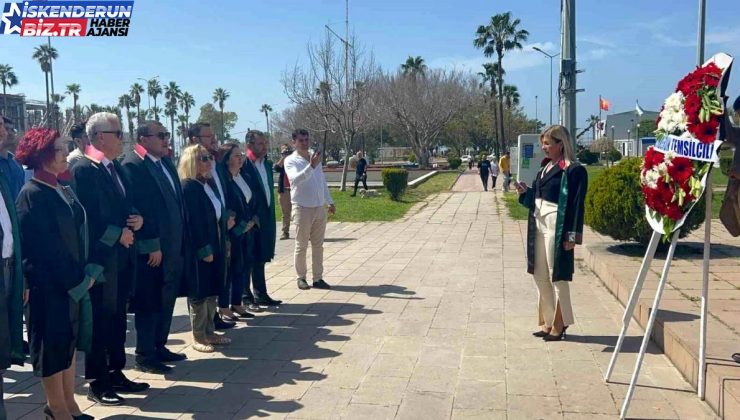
[(729, 213)]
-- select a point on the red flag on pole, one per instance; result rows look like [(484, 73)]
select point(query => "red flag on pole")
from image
[(604, 104)]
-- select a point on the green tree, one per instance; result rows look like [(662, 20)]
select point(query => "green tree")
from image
[(266, 109), (511, 96), (647, 128), (220, 96), (125, 101), (209, 114), (154, 89), (170, 110), (502, 34), (74, 90), (182, 128), (172, 94), (56, 100), (187, 102), (414, 66), (490, 75), (8, 79), (135, 92), (45, 54)]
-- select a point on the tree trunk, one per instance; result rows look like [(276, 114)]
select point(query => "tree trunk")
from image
[(5, 102), (172, 124), (223, 127), (74, 108), (348, 138), (323, 148), (48, 106), (500, 92)]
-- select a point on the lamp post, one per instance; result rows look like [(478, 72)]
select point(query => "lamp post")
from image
[(638, 152), (146, 86), (551, 56), (536, 111)]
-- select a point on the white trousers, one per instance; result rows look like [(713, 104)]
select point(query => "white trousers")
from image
[(310, 223), (551, 291)]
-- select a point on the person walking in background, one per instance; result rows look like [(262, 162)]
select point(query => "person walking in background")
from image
[(555, 227), (53, 227), (484, 168), (207, 222), (504, 165), (470, 164), (310, 196), (360, 172), (80, 141), (159, 245), (284, 190), (107, 199), (257, 170), (494, 173)]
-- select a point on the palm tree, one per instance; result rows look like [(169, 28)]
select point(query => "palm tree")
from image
[(414, 66), (182, 128), (154, 112), (135, 92), (74, 90), (511, 96), (500, 35), (125, 101), (154, 89), (170, 110), (220, 96), (593, 122), (266, 109), (8, 79), (490, 75), (187, 102), (56, 100), (44, 54), (172, 95)]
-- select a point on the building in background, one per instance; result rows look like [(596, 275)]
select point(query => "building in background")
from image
[(25, 113), (622, 128)]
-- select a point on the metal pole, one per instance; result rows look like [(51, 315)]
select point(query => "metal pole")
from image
[(649, 327), (634, 295), (536, 116), (551, 57), (707, 226), (568, 67)]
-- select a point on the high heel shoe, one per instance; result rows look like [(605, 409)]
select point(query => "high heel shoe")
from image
[(561, 336), (50, 416), (541, 333)]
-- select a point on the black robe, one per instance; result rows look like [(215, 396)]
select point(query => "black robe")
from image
[(569, 225), (265, 234), (242, 241), (207, 236)]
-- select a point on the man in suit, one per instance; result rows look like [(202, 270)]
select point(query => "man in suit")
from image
[(15, 177), (107, 198), (201, 133), (257, 170), (159, 245)]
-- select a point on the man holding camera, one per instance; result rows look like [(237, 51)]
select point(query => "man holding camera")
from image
[(284, 190)]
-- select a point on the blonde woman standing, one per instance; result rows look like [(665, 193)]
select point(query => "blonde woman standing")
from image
[(555, 203)]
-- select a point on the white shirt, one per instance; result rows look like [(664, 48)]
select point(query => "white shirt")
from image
[(242, 184), (308, 186), (260, 164), (76, 155), (105, 163), (7, 229), (214, 200), (166, 172), (217, 180), (494, 169)]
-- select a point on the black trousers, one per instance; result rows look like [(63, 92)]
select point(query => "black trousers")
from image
[(359, 178), (484, 179), (493, 185), (256, 285), (109, 333)]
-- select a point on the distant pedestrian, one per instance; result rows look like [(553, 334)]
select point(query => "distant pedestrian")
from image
[(360, 172), (470, 164), (505, 166), (484, 168), (494, 173)]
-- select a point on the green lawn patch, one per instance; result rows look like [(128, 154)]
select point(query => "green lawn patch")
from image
[(516, 210), (382, 208)]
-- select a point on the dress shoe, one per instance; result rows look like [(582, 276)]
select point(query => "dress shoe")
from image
[(302, 284), (105, 397), (254, 307), (120, 383), (220, 324), (321, 284), (241, 312), (561, 336), (541, 333), (268, 301), (153, 366), (50, 416), (284, 236), (165, 355)]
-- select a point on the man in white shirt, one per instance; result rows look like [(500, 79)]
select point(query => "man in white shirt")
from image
[(309, 195)]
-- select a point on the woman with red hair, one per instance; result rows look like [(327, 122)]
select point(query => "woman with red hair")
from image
[(53, 232)]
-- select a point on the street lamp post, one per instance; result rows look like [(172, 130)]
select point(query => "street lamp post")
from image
[(551, 56), (146, 86), (638, 152), (536, 117)]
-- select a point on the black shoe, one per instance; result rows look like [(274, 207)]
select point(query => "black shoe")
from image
[(242, 313), (120, 383), (49, 415), (561, 336), (105, 397), (540, 333), (153, 366), (254, 307), (268, 301), (220, 324), (165, 355), (321, 284), (736, 357), (302, 284), (83, 416), (284, 236)]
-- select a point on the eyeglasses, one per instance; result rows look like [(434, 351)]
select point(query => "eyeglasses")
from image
[(162, 136), (118, 133), (205, 158)]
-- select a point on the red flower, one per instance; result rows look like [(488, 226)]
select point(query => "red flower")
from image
[(673, 212), (706, 132), (681, 169), (692, 106), (652, 158)]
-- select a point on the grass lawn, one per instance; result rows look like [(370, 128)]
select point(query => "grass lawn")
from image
[(516, 210), (382, 208)]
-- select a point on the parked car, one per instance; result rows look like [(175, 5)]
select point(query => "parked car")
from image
[(466, 158)]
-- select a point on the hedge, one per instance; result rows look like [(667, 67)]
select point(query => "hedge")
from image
[(395, 181)]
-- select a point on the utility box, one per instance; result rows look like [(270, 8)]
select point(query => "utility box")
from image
[(529, 155)]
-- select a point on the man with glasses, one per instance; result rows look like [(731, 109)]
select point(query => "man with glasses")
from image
[(107, 198), (159, 245), (310, 196), (79, 138)]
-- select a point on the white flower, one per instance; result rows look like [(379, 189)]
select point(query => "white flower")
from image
[(662, 168), (669, 155), (675, 101), (651, 179)]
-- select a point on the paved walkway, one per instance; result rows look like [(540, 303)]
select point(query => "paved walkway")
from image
[(430, 317)]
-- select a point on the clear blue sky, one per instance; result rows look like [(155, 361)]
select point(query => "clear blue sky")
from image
[(629, 49)]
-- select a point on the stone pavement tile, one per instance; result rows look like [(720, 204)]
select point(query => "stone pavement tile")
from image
[(444, 337), (483, 347), (402, 346), (425, 406), (433, 379), (380, 390), (596, 402), (531, 382), (483, 368), (409, 328), (16, 410), (646, 409), (162, 405), (494, 330), (464, 413), (369, 412), (587, 416), (321, 402), (530, 407), (194, 389), (255, 371), (287, 386), (392, 365), (343, 376), (527, 359), (447, 356), (487, 395), (266, 409)]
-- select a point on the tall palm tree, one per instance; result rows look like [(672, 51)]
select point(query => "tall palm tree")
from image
[(502, 34), (135, 92), (74, 90), (414, 66), (125, 101), (44, 54), (172, 94), (266, 109), (56, 100), (8, 79), (170, 110), (154, 112), (490, 75), (511, 96), (220, 96), (187, 102), (154, 89), (593, 122), (182, 128)]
